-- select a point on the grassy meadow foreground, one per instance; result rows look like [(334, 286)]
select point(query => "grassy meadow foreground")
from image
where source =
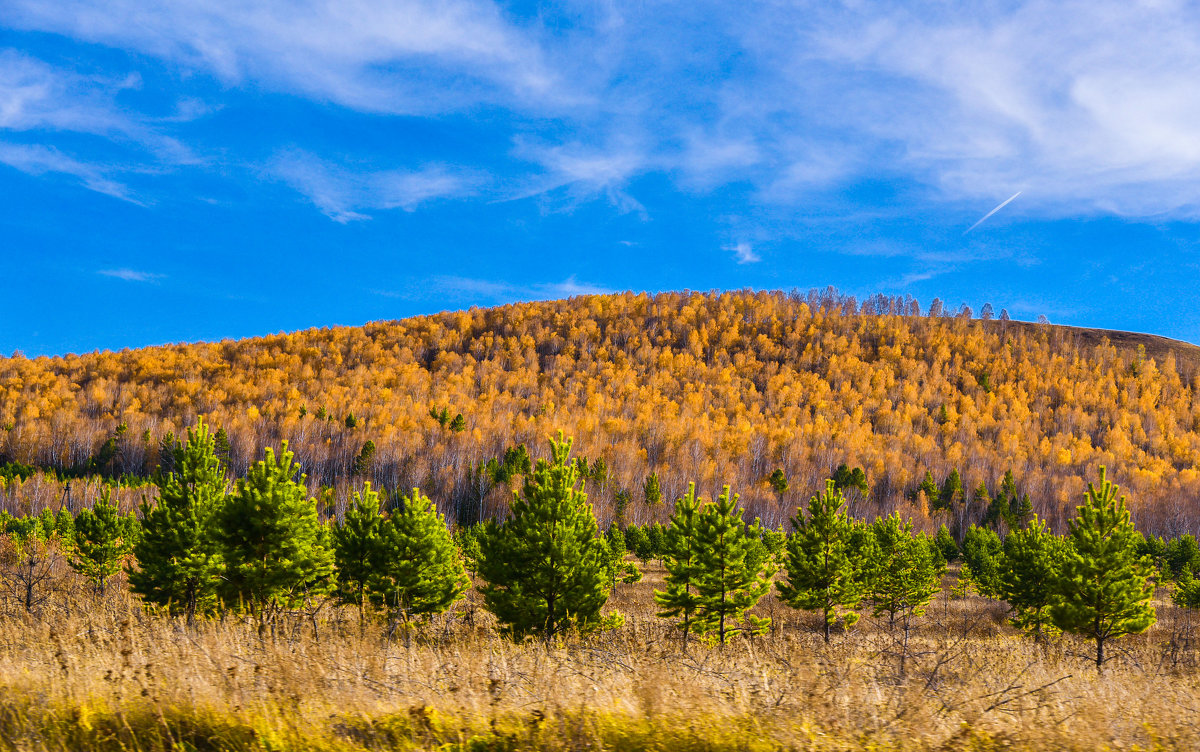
[(88, 673)]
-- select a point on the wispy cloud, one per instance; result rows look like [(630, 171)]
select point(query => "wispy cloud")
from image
[(345, 194), (581, 173), (132, 275), (792, 101), (743, 253), (390, 56), (42, 160), (473, 290)]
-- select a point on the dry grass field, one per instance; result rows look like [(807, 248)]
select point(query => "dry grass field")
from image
[(90, 674)]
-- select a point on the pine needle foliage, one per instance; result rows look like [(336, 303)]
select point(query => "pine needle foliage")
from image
[(177, 560), (680, 600), (1028, 572), (356, 548), (1104, 590), (820, 571), (417, 571), (102, 541), (730, 579), (982, 550), (271, 540), (903, 571), (544, 569)]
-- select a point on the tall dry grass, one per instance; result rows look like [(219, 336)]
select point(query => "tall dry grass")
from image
[(83, 673)]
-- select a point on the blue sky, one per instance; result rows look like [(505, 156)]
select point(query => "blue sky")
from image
[(191, 170)]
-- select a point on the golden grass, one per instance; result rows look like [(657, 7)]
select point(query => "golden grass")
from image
[(87, 674)]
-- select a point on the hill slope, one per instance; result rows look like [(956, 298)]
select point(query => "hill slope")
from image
[(716, 388)]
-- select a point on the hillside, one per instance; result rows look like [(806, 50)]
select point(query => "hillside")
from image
[(717, 388)]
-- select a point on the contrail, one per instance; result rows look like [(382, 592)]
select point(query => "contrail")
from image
[(1005, 203)]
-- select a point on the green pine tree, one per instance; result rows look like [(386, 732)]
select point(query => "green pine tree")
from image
[(821, 574), (903, 574), (652, 490), (982, 550), (680, 599), (1187, 591), (903, 570), (930, 487), (544, 568), (617, 569), (418, 571), (1028, 572), (271, 540), (946, 544), (778, 482), (1103, 592), (357, 549), (222, 447), (364, 461), (845, 478), (729, 580), (177, 561), (951, 492), (102, 541)]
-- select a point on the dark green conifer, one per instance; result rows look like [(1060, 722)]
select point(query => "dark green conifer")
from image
[(364, 461), (544, 568), (951, 492), (177, 559), (680, 599), (982, 550), (357, 548), (945, 544), (903, 571), (778, 482), (221, 446), (845, 478), (820, 571), (102, 541), (271, 540), (652, 490), (1104, 591), (1028, 572), (729, 581), (418, 571)]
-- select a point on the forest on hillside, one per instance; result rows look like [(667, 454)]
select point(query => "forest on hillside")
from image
[(730, 388)]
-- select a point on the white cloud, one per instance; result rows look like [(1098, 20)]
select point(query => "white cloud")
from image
[(1094, 103), (358, 53), (743, 253), (471, 290), (581, 173), (344, 194), (131, 275), (41, 160)]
